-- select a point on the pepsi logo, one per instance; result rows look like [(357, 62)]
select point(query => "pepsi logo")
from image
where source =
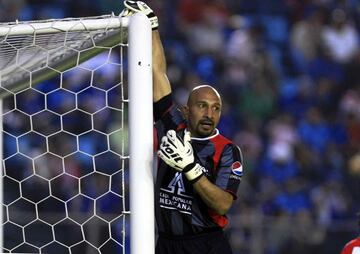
[(236, 168)]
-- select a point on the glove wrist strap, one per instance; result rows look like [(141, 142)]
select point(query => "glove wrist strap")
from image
[(193, 172)]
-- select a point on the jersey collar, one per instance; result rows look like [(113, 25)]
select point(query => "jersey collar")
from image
[(208, 138)]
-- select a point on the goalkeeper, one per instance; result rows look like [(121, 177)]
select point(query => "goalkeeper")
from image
[(199, 170)]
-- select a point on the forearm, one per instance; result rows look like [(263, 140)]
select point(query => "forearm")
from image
[(217, 199), (161, 84)]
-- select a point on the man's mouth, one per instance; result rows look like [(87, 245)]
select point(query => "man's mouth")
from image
[(206, 123)]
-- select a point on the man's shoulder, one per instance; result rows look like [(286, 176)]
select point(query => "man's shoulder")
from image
[(229, 150), (222, 140)]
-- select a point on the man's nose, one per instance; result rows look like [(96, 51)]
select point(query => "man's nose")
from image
[(209, 112)]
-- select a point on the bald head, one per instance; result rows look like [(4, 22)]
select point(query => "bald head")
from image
[(202, 90)]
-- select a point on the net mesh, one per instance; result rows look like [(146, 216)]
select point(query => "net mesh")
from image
[(65, 137)]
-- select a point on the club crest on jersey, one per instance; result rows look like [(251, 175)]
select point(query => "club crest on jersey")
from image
[(236, 168)]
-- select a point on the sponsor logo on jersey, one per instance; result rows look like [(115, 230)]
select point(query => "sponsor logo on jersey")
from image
[(176, 185), (237, 168), (174, 198)]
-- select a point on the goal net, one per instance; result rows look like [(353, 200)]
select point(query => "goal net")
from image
[(64, 130)]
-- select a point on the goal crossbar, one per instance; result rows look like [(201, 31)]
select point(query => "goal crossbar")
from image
[(98, 34), (67, 24)]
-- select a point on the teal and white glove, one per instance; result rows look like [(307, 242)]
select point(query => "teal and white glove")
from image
[(178, 154), (132, 7)]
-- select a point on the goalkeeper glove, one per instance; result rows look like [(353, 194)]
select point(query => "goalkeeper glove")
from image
[(178, 154), (139, 6), (126, 12)]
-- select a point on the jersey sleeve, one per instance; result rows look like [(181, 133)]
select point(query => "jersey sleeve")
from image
[(162, 106), (167, 116), (230, 169)]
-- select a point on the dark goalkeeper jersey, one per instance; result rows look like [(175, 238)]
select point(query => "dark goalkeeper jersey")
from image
[(178, 209)]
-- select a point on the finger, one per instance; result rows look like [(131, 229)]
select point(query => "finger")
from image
[(163, 156), (166, 144), (160, 154), (131, 5), (171, 134), (187, 136), (163, 140), (172, 139)]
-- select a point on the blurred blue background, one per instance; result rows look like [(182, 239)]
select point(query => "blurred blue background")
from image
[(289, 74)]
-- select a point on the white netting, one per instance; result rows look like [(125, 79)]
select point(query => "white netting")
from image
[(65, 137)]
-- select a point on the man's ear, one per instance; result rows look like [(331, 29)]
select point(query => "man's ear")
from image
[(185, 111)]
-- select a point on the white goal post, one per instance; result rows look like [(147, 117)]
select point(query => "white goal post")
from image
[(141, 178), (35, 154)]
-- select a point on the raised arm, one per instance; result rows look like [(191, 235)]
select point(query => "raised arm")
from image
[(161, 84)]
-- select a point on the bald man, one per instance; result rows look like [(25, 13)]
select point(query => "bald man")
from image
[(199, 170)]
